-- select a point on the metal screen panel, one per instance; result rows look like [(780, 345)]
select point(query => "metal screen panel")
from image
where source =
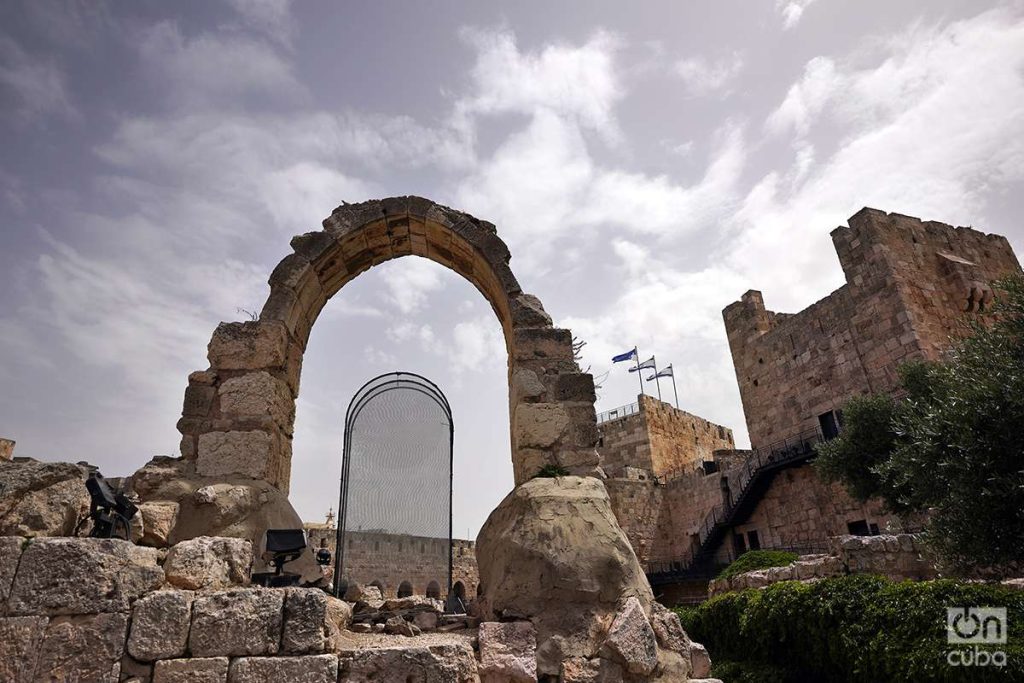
[(396, 483)]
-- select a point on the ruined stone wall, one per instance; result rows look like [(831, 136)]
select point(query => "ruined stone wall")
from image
[(909, 286), (799, 509), (638, 507), (388, 560), (661, 439)]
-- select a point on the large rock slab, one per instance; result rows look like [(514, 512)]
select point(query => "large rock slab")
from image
[(83, 648), (158, 521), (632, 641), (553, 553), (41, 498), (453, 663), (209, 562), (246, 621), (308, 669), (10, 554), (20, 639), (313, 621), (160, 625), (508, 652), (83, 576), (192, 670)]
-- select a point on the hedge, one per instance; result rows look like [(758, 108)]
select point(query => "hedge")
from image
[(853, 628)]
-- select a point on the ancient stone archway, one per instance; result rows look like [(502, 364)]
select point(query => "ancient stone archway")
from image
[(238, 416)]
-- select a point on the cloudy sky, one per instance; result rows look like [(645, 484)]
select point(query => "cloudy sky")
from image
[(646, 164)]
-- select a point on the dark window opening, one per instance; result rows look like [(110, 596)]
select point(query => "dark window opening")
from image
[(739, 544), (831, 424), (459, 589), (858, 527), (434, 590), (755, 542), (874, 529), (405, 589)]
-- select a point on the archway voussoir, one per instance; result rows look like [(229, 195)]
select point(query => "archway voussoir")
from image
[(291, 271), (313, 245), (528, 311), (350, 217), (251, 345)]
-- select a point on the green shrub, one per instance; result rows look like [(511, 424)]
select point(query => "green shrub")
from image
[(854, 628), (551, 471), (757, 559)]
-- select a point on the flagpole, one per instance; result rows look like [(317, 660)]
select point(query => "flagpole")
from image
[(657, 380), (636, 357), (674, 386)]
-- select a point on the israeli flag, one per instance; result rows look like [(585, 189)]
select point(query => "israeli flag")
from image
[(646, 365), (628, 355), (667, 372)]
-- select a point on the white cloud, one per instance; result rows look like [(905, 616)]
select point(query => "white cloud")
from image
[(273, 17), (411, 282), (39, 86), (806, 99), (478, 344), (791, 11), (705, 77)]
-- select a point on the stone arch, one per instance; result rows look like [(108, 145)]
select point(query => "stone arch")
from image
[(404, 589), (459, 590), (238, 415), (433, 589)]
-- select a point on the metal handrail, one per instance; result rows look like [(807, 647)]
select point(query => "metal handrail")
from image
[(616, 413)]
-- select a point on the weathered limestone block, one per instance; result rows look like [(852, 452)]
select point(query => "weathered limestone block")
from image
[(134, 671), (400, 627), (313, 621), (508, 652), (699, 660), (10, 554), (192, 670), (20, 639), (539, 425), (413, 602), (6, 449), (579, 670), (631, 639), (252, 345), (525, 385), (668, 630), (160, 624), (527, 311), (209, 562), (83, 648), (357, 592), (425, 621), (543, 342), (83, 576), (158, 520), (254, 454), (454, 663), (553, 553), (258, 395), (245, 621), (308, 669), (41, 499)]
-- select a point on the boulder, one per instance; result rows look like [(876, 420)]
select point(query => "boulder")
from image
[(308, 669), (313, 621), (450, 663), (357, 592), (160, 624), (208, 562), (579, 670), (20, 639), (669, 631), (83, 576), (10, 554), (425, 621), (700, 661), (631, 639), (508, 652), (400, 627), (41, 498), (192, 670), (413, 602), (245, 621), (553, 553), (158, 520), (82, 648)]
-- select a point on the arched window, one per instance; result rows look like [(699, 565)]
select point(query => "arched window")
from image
[(379, 584), (459, 590), (434, 590), (405, 589)]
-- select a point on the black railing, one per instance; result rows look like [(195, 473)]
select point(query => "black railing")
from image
[(762, 461), (616, 413)]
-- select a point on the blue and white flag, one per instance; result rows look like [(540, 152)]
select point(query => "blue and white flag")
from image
[(667, 372), (628, 355), (647, 364)]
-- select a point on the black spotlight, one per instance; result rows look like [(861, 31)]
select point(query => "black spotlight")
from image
[(282, 546), (323, 555), (111, 511)]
